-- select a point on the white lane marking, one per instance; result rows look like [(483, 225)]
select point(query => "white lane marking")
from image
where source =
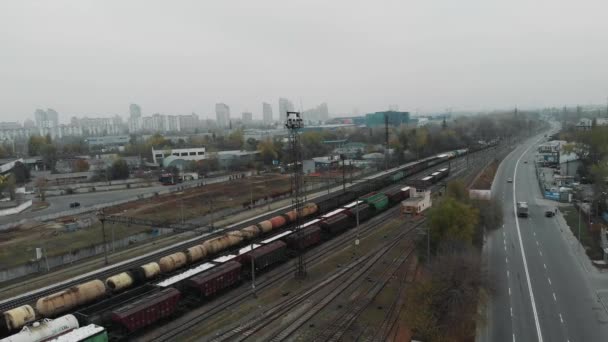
[(509, 291), (541, 253), (511, 311), (521, 246), (507, 273), (514, 337), (545, 266), (560, 318), (554, 298), (505, 247), (537, 243), (549, 280), (506, 260), (534, 233)]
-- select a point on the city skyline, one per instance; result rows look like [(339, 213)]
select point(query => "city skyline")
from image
[(423, 57)]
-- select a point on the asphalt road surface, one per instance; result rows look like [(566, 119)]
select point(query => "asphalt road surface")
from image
[(545, 289)]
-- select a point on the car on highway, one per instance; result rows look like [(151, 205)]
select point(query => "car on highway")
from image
[(75, 205), (549, 213), (509, 180), (525, 162)]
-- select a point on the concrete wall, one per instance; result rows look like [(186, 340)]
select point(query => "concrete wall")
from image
[(66, 259)]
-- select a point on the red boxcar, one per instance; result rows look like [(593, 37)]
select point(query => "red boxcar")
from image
[(395, 195), (265, 256), (147, 310), (307, 237), (217, 279), (337, 223)]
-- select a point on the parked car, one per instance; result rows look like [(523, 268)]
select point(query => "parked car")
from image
[(549, 213), (75, 205), (509, 180)]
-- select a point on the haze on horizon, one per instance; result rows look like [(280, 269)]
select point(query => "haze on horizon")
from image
[(96, 57)]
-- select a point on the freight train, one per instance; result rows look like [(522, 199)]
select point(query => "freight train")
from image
[(223, 260)]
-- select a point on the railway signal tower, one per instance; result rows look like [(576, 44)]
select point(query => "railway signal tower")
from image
[(294, 124)]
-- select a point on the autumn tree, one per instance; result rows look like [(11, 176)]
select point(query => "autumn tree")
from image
[(119, 170), (267, 151)]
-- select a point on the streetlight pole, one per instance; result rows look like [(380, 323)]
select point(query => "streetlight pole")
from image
[(357, 229), (102, 219), (252, 271)]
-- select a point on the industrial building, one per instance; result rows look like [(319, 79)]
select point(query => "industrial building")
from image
[(394, 118), (179, 153)]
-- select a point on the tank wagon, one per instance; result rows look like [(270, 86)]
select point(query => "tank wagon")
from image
[(263, 255), (45, 330)]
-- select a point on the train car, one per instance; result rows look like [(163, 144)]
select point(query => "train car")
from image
[(397, 176), (421, 183), (240, 255), (100, 312), (63, 301), (45, 330), (280, 236), (265, 256), (89, 333), (329, 204), (395, 195), (365, 210), (442, 173), (304, 239), (146, 310), (337, 223), (134, 276), (215, 280), (178, 280), (376, 200), (14, 319), (332, 213)]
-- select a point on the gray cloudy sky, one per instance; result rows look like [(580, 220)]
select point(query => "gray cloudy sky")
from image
[(96, 57)]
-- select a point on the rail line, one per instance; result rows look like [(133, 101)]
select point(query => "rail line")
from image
[(275, 275), (154, 256), (313, 256), (360, 266)]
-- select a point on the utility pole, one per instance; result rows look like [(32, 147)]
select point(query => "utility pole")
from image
[(102, 218), (386, 156), (293, 124), (343, 157), (357, 229), (252, 271)]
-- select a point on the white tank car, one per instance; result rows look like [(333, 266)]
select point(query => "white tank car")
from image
[(44, 330)]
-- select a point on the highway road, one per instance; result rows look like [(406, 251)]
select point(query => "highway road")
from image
[(62, 203), (544, 287)]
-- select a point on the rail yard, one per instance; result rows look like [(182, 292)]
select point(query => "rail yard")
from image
[(200, 279)]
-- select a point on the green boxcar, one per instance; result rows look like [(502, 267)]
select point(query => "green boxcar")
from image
[(397, 176), (376, 200)]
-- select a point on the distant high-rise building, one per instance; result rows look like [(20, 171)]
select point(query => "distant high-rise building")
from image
[(285, 106), (189, 122), (247, 117), (317, 114), (267, 112), (46, 119), (134, 111), (222, 114)]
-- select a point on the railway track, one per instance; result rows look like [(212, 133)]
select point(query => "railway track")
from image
[(32, 296), (172, 333), (360, 267), (336, 329), (313, 256)]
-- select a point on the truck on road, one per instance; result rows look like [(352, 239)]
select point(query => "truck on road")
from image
[(522, 209)]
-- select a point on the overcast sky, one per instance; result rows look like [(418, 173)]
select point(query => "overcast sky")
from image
[(96, 57)]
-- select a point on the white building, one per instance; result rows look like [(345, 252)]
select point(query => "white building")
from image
[(419, 201), (222, 114), (317, 114), (267, 112), (179, 153)]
